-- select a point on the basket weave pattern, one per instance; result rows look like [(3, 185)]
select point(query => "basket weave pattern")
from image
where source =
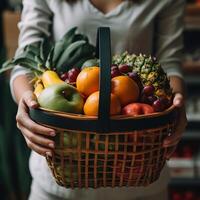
[(88, 159)]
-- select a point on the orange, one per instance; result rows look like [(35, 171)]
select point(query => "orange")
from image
[(125, 88), (87, 81), (91, 105)]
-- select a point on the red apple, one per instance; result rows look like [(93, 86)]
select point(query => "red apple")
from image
[(137, 109)]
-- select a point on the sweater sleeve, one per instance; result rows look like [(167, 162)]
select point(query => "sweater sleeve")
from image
[(35, 22), (169, 37)]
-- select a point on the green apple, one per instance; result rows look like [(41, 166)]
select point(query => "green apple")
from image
[(61, 97)]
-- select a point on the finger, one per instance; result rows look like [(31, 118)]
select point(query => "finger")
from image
[(40, 150), (37, 139), (24, 120), (178, 100), (30, 99)]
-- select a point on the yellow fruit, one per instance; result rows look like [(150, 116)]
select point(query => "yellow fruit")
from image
[(39, 87), (50, 78)]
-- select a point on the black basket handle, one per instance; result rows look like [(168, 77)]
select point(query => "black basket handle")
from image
[(103, 47)]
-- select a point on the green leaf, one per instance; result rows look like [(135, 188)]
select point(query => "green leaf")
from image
[(33, 48), (48, 63), (7, 65), (62, 44), (69, 33), (80, 37), (39, 60), (68, 53), (6, 68), (84, 51), (45, 48), (27, 63), (80, 62), (26, 55)]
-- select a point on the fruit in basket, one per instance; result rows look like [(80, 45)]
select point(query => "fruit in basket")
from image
[(87, 81), (125, 88), (148, 90), (64, 76), (39, 87), (115, 71), (50, 77), (72, 75), (159, 105), (90, 63), (61, 97), (137, 109), (149, 71), (124, 68), (136, 78), (91, 105)]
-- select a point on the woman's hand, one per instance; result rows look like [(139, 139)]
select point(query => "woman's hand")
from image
[(36, 136), (172, 140)]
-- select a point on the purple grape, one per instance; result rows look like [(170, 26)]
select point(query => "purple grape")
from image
[(148, 90), (151, 99), (158, 105), (165, 102), (67, 80), (72, 74), (115, 72), (114, 68), (136, 78), (124, 68), (114, 65), (64, 76), (144, 99)]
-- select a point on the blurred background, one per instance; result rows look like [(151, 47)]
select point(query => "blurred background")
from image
[(15, 178)]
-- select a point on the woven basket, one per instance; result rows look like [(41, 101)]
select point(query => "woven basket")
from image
[(107, 151)]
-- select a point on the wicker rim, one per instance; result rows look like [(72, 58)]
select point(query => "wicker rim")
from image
[(116, 117)]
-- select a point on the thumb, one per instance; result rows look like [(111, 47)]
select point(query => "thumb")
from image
[(178, 100), (30, 99)]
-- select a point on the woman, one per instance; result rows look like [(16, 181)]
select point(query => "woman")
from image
[(151, 27)]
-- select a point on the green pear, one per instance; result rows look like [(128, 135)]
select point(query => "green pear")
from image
[(61, 97)]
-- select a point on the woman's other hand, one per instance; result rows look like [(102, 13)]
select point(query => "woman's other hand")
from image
[(37, 137)]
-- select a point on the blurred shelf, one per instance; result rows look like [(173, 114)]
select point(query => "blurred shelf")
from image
[(192, 19), (191, 135), (193, 9), (193, 117), (192, 23), (191, 66), (192, 182), (193, 79)]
